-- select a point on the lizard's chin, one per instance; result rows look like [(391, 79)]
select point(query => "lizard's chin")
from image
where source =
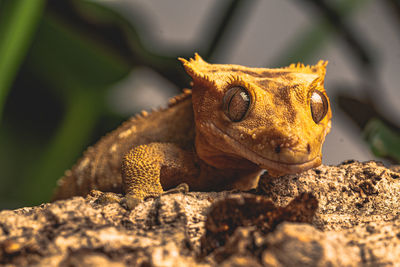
[(274, 167)]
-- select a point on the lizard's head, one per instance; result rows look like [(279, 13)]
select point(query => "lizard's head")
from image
[(275, 118)]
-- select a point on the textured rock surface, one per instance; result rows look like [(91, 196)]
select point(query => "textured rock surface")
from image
[(356, 224), (348, 194)]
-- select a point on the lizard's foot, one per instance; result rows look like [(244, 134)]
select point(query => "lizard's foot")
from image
[(130, 202), (105, 197), (180, 188), (108, 198)]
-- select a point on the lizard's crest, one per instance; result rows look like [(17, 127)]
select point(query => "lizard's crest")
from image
[(276, 118), (207, 74), (197, 69), (319, 68)]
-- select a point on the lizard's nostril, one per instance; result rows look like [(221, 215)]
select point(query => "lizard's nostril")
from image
[(308, 148), (277, 149)]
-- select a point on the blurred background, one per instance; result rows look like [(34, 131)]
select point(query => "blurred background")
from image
[(71, 71)]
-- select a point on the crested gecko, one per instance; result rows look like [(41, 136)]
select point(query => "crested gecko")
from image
[(233, 123)]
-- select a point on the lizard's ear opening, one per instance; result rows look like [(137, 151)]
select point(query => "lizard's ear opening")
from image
[(196, 68)]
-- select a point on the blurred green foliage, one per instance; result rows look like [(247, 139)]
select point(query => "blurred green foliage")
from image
[(78, 70), (60, 59), (18, 21), (383, 141)]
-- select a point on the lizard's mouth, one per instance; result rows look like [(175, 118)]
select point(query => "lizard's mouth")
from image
[(275, 167)]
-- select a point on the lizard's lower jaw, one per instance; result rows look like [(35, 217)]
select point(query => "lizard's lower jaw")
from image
[(274, 167)]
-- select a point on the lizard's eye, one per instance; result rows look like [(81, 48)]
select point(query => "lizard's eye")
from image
[(318, 105), (236, 103)]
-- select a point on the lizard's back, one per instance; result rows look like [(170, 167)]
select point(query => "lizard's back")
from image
[(100, 166)]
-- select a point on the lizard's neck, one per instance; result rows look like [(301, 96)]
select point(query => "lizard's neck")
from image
[(211, 155)]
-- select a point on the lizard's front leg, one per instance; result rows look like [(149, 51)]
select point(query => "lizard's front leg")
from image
[(147, 168)]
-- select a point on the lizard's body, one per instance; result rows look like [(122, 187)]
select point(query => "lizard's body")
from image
[(237, 121)]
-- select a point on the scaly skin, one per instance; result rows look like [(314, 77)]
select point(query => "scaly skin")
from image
[(215, 137)]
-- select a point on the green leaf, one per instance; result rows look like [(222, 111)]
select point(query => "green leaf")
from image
[(18, 21), (62, 51)]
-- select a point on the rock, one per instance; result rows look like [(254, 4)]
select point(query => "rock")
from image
[(356, 224), (348, 194), (77, 231), (303, 245), (232, 212)]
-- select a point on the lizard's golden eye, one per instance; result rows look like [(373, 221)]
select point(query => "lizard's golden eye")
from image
[(318, 105), (236, 103)]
